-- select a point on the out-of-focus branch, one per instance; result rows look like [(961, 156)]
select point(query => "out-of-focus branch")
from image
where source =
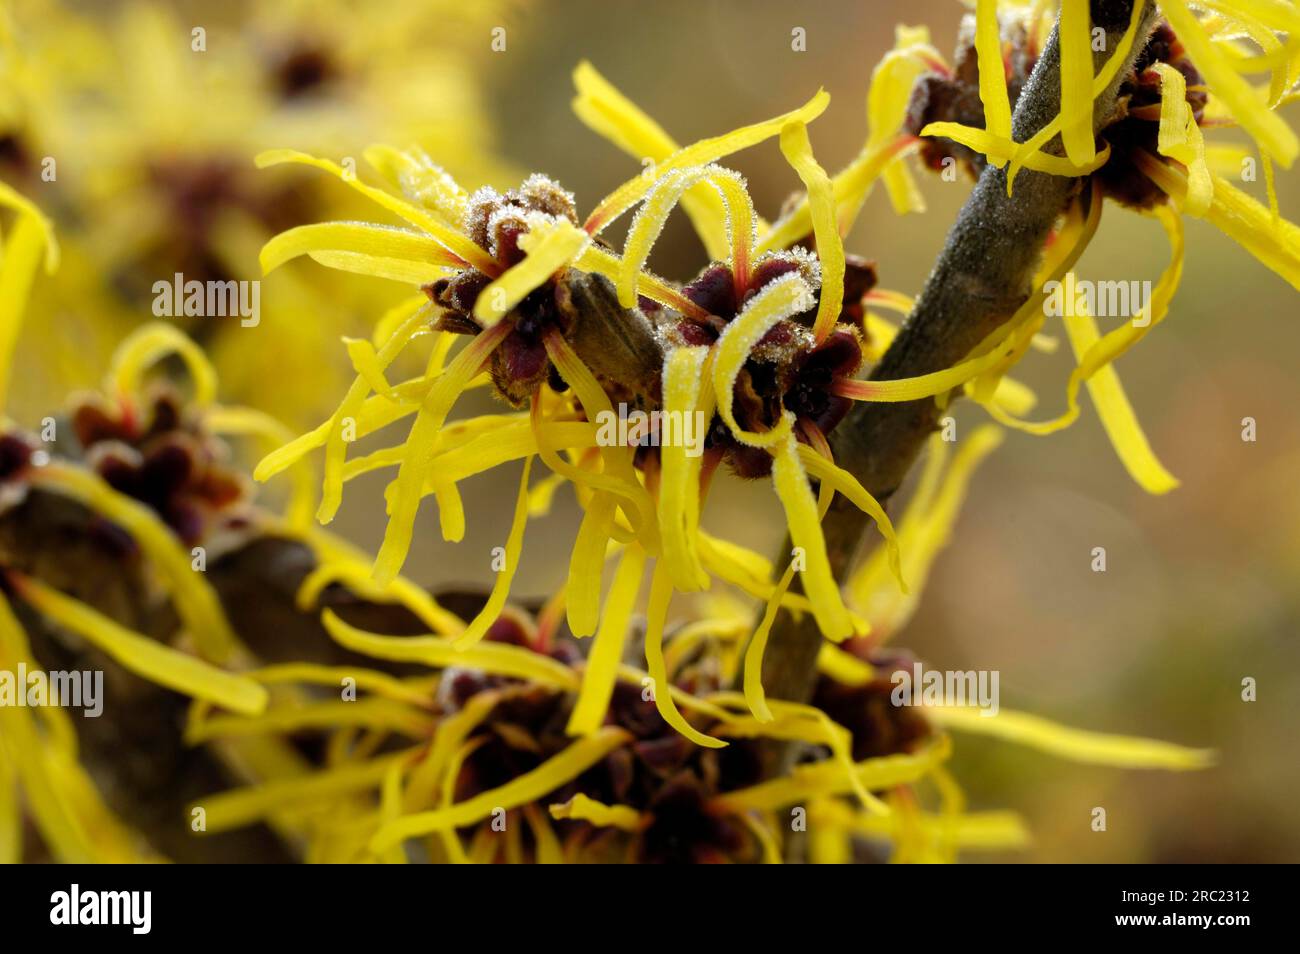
[(136, 752)]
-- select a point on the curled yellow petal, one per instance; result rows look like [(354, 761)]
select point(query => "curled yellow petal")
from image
[(606, 651), (748, 571), (1272, 240), (1115, 411), (620, 475), (1269, 130), (529, 787), (21, 256), (794, 721), (148, 345), (661, 594), (612, 115), (649, 223), (586, 564), (999, 150), (370, 680), (797, 149), (583, 808), (892, 81), (293, 451), (416, 175), (831, 778), (13, 199), (850, 188), (355, 574), (549, 246), (1001, 346), (804, 521), (843, 667), (595, 259), (845, 483), (699, 154), (1180, 137), (778, 300), (1100, 82), (755, 696), (383, 715)]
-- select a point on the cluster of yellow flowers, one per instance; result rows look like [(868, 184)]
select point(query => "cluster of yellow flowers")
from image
[(765, 344)]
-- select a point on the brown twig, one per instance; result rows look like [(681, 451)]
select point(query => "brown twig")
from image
[(982, 275)]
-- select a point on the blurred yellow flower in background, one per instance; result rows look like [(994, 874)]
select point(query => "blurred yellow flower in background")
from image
[(135, 124)]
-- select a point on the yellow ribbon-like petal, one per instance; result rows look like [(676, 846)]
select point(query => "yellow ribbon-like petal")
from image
[(529, 787), (1077, 745), (144, 656), (699, 154), (501, 659), (685, 392), (362, 241), (1075, 40), (550, 246), (993, 76), (804, 521), (148, 345), (421, 442), (797, 149), (780, 299), (606, 651), (661, 594), (1180, 137), (454, 241), (583, 808), (1270, 131), (196, 601), (649, 223)]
